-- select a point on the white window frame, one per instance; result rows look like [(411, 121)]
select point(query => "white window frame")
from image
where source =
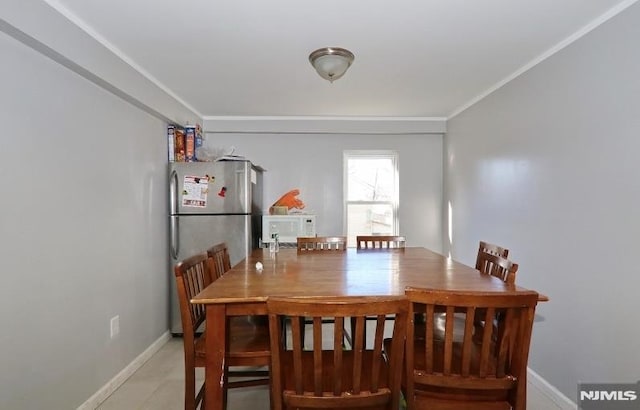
[(395, 201)]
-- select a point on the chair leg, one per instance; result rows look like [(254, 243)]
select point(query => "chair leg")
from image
[(225, 390), (189, 385), (200, 398)]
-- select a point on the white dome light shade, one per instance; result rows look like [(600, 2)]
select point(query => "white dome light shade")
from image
[(331, 62)]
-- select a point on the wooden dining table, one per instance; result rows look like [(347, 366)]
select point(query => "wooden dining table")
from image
[(245, 289)]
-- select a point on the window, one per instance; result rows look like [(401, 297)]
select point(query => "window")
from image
[(371, 193)]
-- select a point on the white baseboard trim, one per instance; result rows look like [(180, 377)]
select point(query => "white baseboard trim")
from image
[(105, 391), (555, 397)]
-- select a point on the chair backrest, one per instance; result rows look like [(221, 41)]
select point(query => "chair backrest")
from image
[(221, 262), (336, 377), (493, 359), (192, 275), (379, 241), (322, 243), (497, 266), (486, 247)]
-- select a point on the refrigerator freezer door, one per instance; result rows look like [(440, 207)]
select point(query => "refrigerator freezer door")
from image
[(197, 233), (219, 187)]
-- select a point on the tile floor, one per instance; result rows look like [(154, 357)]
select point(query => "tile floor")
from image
[(158, 385)]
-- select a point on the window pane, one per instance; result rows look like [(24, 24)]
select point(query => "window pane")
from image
[(368, 219), (370, 179)]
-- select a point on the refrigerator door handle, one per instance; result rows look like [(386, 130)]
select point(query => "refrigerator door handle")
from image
[(175, 236), (243, 185), (173, 193)]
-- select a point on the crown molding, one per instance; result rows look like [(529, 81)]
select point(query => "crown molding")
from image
[(50, 29), (324, 125), (612, 12)]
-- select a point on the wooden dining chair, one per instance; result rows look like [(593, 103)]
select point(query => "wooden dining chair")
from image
[(489, 264), (489, 248), (451, 372), (219, 253), (322, 243), (248, 341), (497, 266), (380, 242), (490, 260), (220, 264), (330, 376)]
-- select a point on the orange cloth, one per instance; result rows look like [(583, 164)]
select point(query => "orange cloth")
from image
[(289, 200)]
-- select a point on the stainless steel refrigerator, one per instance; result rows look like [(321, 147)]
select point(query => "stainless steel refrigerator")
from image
[(211, 202)]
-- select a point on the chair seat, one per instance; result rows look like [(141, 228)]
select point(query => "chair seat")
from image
[(248, 339), (439, 326)]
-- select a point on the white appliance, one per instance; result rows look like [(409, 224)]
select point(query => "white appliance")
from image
[(288, 227), (209, 203)]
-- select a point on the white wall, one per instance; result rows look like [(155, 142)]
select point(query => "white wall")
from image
[(49, 28), (548, 167), (314, 164), (83, 223)]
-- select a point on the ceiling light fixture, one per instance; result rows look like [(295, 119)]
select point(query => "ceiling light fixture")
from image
[(331, 62)]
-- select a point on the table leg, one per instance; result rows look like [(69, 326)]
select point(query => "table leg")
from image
[(216, 334)]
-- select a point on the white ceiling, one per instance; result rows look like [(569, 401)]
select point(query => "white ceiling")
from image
[(414, 58)]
